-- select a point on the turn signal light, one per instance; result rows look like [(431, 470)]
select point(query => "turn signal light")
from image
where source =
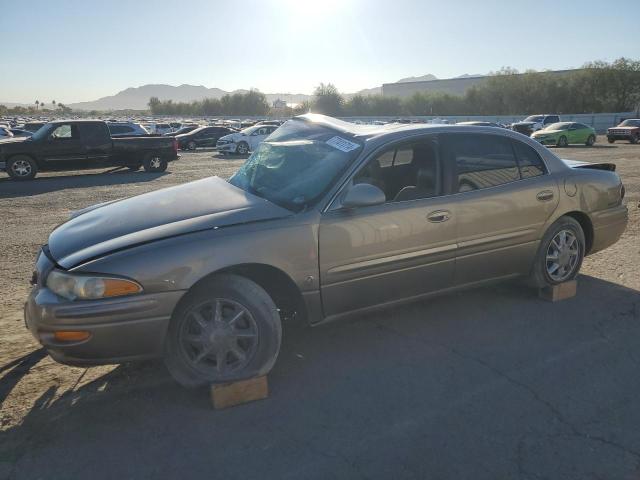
[(70, 336), (114, 287)]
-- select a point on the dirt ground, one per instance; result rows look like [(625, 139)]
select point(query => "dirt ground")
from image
[(505, 369)]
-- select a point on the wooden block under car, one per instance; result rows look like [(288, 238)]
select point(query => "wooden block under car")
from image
[(562, 291), (236, 393)]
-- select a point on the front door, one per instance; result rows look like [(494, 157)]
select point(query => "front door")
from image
[(505, 197), (64, 149), (393, 251)]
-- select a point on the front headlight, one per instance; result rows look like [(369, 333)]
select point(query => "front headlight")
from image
[(89, 287)]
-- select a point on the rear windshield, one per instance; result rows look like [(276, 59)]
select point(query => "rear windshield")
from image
[(297, 164)]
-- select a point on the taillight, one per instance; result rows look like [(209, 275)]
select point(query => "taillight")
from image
[(175, 145)]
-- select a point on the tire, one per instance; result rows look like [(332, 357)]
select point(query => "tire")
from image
[(153, 163), (22, 167), (562, 142), (611, 140), (542, 270), (634, 138), (191, 145), (196, 344), (242, 148), (590, 141)]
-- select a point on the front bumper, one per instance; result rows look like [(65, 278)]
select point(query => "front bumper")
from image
[(546, 140), (227, 147), (121, 329)]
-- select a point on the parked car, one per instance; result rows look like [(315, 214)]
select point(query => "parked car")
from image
[(126, 129), (182, 130), (562, 134), (627, 130), (81, 144), (202, 137), (18, 132), (478, 123), (158, 128), (246, 140), (325, 219), (33, 126), (5, 132), (534, 123)]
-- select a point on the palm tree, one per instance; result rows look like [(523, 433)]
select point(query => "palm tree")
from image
[(37, 103)]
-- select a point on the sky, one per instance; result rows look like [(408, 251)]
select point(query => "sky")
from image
[(72, 51)]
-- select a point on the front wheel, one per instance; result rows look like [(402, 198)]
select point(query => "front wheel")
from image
[(562, 141), (611, 140), (22, 167), (225, 330), (191, 145), (153, 163), (590, 141), (634, 139), (242, 148), (560, 253)]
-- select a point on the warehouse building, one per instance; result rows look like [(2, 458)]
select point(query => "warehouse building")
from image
[(453, 86)]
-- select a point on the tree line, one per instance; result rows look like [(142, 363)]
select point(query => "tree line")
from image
[(249, 103), (40, 107), (597, 87)]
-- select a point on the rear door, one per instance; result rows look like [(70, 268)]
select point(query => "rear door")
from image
[(504, 197), (64, 149), (97, 141), (394, 251)]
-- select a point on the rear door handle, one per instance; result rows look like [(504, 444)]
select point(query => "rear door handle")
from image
[(545, 195), (439, 216)]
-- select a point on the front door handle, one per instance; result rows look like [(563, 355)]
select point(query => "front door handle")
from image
[(545, 195), (439, 216)]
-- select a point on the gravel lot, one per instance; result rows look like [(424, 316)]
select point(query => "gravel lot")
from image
[(491, 383)]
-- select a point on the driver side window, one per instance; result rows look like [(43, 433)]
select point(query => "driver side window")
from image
[(64, 131), (407, 171)]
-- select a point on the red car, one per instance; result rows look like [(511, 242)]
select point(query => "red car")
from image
[(627, 130)]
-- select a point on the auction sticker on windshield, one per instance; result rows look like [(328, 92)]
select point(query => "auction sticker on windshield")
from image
[(342, 144)]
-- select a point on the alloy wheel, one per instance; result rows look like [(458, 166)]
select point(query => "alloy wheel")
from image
[(219, 335), (563, 255), (21, 168)]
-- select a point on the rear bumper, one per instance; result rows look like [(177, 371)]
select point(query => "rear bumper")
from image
[(608, 227), (120, 329)]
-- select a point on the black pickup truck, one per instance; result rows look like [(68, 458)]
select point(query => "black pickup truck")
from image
[(82, 144)]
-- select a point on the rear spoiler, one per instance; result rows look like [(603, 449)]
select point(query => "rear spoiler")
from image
[(611, 167)]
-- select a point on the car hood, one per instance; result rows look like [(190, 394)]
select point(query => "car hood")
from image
[(201, 205), (547, 132), (232, 136), (9, 140), (626, 127)]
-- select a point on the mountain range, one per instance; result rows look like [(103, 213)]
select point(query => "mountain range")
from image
[(136, 98)]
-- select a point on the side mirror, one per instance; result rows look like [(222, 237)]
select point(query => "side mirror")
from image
[(363, 195)]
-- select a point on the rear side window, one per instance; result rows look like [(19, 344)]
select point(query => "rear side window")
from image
[(531, 165), (119, 129), (482, 161), (93, 133)]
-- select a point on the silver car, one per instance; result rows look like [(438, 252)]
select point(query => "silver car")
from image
[(325, 218)]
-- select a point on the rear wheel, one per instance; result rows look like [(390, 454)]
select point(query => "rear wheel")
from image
[(154, 163), (560, 253), (590, 141), (22, 167), (562, 141), (225, 330)]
